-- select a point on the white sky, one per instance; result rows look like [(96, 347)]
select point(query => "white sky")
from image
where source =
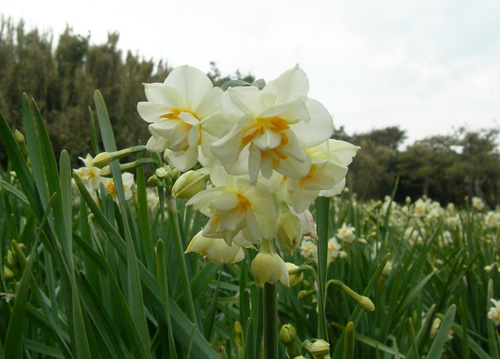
[(425, 65)]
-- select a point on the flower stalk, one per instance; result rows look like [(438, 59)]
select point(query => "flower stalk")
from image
[(323, 205), (172, 215), (270, 321)]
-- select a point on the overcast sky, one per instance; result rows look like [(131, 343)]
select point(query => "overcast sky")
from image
[(424, 65)]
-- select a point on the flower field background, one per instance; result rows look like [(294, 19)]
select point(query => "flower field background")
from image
[(100, 257), (85, 279)]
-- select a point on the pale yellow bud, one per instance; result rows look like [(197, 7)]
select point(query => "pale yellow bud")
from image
[(7, 273), (304, 294), (102, 159), (317, 347), (366, 304), (215, 249), (295, 276), (11, 261), (268, 267), (161, 172), (288, 334), (289, 231), (189, 184), (154, 181), (19, 136)]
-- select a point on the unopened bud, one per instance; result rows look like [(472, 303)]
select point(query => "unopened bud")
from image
[(105, 158), (161, 172), (189, 184), (289, 231), (317, 347), (295, 274), (366, 304), (154, 181), (7, 273), (102, 159), (11, 261), (19, 136), (268, 266), (288, 334), (304, 294)]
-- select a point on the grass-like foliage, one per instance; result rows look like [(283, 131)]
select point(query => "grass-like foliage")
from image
[(92, 275)]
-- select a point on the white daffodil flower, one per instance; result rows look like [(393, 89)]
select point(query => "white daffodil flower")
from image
[(128, 185), (235, 206), (270, 128), (326, 177), (89, 174), (494, 313), (181, 111)]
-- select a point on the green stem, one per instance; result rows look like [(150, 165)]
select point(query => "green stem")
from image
[(270, 321), (323, 205), (179, 249)]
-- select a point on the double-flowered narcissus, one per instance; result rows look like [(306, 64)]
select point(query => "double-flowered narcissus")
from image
[(269, 154)]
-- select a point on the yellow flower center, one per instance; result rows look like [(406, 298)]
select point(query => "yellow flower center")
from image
[(111, 188), (243, 201), (174, 115)]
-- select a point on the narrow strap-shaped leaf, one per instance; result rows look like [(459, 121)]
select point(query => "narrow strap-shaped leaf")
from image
[(81, 341), (442, 334), (492, 333), (210, 319), (349, 341), (14, 191), (20, 167), (35, 152), (101, 318), (413, 353), (143, 217), (15, 329), (40, 348), (162, 274)]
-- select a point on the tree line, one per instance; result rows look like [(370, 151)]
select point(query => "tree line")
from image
[(62, 80), (446, 168)]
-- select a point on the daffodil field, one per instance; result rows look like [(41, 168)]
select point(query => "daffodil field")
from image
[(232, 234)]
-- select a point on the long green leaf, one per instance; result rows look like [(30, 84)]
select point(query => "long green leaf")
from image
[(15, 330), (442, 334)]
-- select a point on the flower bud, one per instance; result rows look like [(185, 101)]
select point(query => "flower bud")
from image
[(318, 347), (288, 334), (154, 181), (189, 184), (8, 274), (105, 158), (102, 159), (289, 231), (268, 267), (304, 294), (161, 172), (11, 261), (366, 304), (297, 276), (19, 137), (215, 249)]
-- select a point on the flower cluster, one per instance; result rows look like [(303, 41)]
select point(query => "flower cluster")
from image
[(269, 153), (89, 174)]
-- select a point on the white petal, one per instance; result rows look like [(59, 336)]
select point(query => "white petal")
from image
[(156, 144), (184, 160), (210, 103), (268, 140), (151, 112), (289, 85), (191, 83), (225, 202), (319, 129), (161, 94), (290, 167)]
